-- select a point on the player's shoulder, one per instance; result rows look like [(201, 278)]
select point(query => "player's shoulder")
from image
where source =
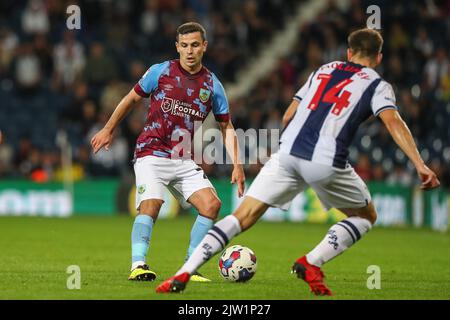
[(214, 79), (158, 68), (163, 64), (211, 75)]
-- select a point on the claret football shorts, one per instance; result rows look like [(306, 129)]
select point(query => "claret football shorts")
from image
[(181, 177), (284, 176)]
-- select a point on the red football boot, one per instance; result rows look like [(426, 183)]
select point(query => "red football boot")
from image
[(312, 275), (174, 284)]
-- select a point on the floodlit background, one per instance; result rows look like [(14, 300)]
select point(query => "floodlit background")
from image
[(59, 86)]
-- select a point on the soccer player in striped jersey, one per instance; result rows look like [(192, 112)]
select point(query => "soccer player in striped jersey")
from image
[(319, 126), (181, 92)]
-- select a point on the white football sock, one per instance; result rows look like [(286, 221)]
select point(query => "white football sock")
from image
[(215, 240), (136, 264), (339, 238)]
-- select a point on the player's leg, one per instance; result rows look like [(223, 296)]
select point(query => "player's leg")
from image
[(149, 199), (249, 211), (284, 187), (216, 239), (339, 188), (343, 234), (208, 206), (140, 239), (193, 185)]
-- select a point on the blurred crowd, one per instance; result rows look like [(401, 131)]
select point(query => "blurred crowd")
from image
[(57, 84)]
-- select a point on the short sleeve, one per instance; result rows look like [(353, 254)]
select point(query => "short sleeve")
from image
[(300, 95), (383, 98), (220, 105), (149, 81)]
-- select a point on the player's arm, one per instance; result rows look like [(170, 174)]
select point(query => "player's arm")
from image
[(146, 85), (402, 136), (231, 144), (299, 95), (103, 138), (221, 111), (289, 113)]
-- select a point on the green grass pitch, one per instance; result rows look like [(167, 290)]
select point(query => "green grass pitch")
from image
[(35, 254)]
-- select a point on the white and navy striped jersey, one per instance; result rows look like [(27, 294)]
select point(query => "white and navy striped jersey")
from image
[(335, 100)]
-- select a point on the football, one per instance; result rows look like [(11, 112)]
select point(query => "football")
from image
[(237, 263)]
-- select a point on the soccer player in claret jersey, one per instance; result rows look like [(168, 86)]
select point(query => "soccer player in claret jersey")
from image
[(181, 92), (319, 125)]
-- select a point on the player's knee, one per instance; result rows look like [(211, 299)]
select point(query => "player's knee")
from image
[(150, 208), (369, 213), (212, 208), (372, 217), (216, 205)]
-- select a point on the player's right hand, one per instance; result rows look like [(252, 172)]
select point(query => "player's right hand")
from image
[(428, 177), (103, 138)]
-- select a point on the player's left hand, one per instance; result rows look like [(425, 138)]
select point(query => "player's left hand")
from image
[(103, 138), (238, 176), (428, 177)]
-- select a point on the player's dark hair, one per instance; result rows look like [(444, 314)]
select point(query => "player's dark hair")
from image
[(365, 42), (190, 27)]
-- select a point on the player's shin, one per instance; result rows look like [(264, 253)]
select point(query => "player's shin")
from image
[(140, 239), (339, 238), (200, 228), (215, 240)]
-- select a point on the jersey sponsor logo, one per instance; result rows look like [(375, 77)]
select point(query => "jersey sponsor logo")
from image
[(204, 95), (180, 108)]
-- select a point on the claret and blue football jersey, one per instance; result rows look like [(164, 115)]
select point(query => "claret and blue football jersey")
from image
[(177, 100)]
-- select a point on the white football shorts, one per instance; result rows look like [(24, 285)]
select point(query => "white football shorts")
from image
[(284, 176), (181, 177)]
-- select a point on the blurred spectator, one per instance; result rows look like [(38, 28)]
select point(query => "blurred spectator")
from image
[(23, 151), (88, 116), (273, 121), (6, 156), (75, 172), (73, 111), (149, 21), (423, 43), (136, 71), (112, 162), (445, 85), (100, 67), (27, 68), (436, 68), (112, 94), (363, 167), (35, 18), (69, 61), (400, 176), (378, 173), (8, 43), (43, 51)]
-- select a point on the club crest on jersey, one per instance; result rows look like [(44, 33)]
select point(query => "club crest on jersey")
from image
[(204, 95), (141, 189)]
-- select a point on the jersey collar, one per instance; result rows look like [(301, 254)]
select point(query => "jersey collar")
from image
[(190, 75)]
